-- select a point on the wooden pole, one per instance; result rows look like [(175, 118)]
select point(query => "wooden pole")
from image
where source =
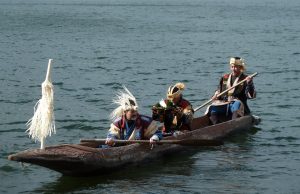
[(48, 75), (189, 142)]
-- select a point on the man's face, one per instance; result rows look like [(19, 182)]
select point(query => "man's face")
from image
[(175, 99), (131, 114), (236, 70)]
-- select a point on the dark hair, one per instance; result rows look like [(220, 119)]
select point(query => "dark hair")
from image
[(131, 102), (175, 90)]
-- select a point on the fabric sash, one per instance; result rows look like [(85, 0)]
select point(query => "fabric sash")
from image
[(228, 85)]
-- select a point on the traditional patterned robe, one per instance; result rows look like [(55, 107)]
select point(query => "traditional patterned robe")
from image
[(142, 128), (181, 120)]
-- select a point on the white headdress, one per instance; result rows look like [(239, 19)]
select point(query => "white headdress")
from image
[(125, 100), (175, 90), (238, 61)]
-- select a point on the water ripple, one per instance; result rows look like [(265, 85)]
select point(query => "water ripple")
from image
[(14, 123), (80, 126), (77, 120), (288, 138), (7, 168), (17, 102)]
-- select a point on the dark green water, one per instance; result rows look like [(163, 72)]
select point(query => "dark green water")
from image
[(147, 45)]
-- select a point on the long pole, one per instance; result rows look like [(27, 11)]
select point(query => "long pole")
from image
[(189, 142)]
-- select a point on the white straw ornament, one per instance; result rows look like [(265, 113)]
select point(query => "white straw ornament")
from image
[(42, 124)]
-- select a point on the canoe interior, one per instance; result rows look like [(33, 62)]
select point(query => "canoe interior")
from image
[(197, 123)]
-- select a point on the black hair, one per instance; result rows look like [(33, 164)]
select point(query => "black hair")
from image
[(175, 90)]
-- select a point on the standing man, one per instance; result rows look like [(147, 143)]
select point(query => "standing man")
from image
[(234, 102)]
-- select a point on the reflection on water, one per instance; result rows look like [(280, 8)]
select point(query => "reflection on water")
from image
[(243, 138)]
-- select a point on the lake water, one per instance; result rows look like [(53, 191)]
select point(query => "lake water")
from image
[(148, 45)]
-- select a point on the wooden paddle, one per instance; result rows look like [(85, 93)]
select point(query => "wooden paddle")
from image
[(209, 101), (187, 142)]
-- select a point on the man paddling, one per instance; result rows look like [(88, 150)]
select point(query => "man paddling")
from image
[(177, 112), (234, 102), (128, 124)]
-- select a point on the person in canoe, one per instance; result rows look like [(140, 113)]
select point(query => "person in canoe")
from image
[(128, 124), (233, 104), (175, 112)]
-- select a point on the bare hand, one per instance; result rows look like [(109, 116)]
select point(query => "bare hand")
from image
[(249, 79), (109, 141), (154, 139), (215, 96)]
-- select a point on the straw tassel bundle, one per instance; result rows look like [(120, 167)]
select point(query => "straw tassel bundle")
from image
[(42, 124)]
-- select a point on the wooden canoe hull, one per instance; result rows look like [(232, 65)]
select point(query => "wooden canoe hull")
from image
[(72, 159), (76, 159)]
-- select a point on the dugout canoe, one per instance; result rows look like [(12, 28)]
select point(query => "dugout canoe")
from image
[(86, 159)]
